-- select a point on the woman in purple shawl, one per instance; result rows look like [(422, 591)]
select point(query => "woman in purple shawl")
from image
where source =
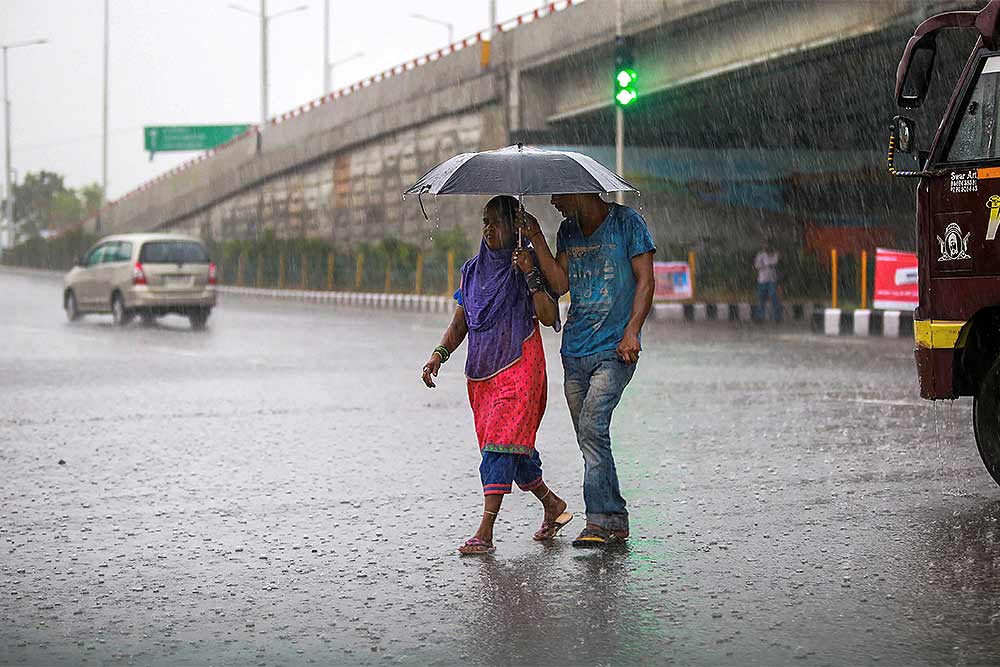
[(502, 299)]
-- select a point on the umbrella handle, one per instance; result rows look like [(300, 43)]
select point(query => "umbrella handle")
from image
[(421, 202), (520, 205)]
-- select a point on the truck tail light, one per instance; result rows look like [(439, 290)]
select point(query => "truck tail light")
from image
[(211, 273), (138, 276)]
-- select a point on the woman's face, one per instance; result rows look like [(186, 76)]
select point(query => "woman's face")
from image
[(497, 230)]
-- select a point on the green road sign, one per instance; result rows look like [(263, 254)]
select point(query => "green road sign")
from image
[(189, 137)]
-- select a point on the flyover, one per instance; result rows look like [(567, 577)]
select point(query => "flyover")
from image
[(750, 110)]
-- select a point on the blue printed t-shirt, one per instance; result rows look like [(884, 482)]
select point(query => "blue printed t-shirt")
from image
[(601, 282)]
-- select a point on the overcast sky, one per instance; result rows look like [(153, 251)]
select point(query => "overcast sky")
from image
[(190, 62)]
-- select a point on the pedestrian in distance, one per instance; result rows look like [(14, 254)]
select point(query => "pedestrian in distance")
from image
[(501, 300), (604, 259), (766, 264)]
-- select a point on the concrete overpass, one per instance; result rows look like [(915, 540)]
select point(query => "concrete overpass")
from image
[(730, 89)]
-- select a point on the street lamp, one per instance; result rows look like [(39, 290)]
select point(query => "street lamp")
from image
[(264, 20), (8, 190), (449, 26), (330, 66)]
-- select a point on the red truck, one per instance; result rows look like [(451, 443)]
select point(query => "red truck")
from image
[(957, 322)]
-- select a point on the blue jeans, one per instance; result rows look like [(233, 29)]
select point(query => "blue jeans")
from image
[(768, 292), (593, 387)]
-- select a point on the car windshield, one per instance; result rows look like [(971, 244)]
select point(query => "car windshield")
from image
[(173, 252)]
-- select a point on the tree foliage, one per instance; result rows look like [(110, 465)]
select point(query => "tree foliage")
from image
[(43, 202)]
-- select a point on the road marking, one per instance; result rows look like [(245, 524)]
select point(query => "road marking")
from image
[(880, 401)]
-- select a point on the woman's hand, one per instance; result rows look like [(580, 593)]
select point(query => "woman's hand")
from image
[(431, 369), (523, 260), (527, 223)]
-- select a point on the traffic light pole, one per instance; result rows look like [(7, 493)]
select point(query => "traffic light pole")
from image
[(619, 116)]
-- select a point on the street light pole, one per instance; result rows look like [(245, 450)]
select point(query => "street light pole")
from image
[(8, 168), (264, 20), (326, 47), (619, 115), (8, 191), (104, 128), (353, 56), (446, 24), (263, 62)]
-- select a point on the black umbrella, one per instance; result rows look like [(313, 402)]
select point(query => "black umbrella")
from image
[(519, 170)]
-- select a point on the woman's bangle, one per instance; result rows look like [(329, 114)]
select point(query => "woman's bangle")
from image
[(442, 352)]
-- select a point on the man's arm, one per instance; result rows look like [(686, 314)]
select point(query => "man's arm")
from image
[(555, 270), (642, 303)]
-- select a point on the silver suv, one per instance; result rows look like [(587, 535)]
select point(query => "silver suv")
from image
[(142, 274)]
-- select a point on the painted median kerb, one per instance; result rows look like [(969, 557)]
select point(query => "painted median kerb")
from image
[(862, 322), (831, 321)]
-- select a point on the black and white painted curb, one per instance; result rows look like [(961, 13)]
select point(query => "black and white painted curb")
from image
[(830, 321), (723, 312), (863, 322), (664, 312), (374, 300)]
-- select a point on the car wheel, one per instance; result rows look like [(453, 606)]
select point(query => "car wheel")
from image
[(72, 307), (119, 313), (986, 420), (198, 318)]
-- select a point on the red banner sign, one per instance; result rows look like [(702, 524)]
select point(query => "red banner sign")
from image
[(673, 281), (895, 279)]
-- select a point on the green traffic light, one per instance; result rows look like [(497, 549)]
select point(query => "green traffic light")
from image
[(626, 97), (625, 92)]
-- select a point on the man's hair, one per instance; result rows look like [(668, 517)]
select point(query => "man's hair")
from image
[(505, 205)]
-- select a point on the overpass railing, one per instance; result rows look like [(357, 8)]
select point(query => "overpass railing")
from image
[(481, 38)]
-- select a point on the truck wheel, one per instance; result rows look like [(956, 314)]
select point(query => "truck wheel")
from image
[(986, 420)]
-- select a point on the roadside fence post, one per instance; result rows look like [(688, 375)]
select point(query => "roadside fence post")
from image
[(358, 269), (691, 268), (304, 272), (240, 269), (451, 272), (833, 277), (418, 282), (864, 280), (329, 272), (388, 276)]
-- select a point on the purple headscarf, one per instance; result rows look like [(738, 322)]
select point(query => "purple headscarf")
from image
[(498, 311)]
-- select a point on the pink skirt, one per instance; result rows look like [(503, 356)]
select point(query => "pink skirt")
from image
[(508, 407)]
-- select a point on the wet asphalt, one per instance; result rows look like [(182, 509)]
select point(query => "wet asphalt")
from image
[(282, 489)]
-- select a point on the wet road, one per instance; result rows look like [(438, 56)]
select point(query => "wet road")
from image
[(281, 489)]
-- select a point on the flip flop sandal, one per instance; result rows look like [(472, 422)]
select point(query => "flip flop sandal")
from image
[(548, 529), (476, 547), (590, 538)]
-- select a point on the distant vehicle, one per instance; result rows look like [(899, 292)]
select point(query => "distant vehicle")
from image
[(957, 322), (149, 275)]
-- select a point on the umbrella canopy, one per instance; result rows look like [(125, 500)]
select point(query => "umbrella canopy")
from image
[(519, 170)]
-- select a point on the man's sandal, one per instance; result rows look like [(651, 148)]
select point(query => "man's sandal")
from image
[(476, 547), (548, 529)]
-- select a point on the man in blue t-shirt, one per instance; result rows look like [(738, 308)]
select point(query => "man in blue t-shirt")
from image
[(604, 259)]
